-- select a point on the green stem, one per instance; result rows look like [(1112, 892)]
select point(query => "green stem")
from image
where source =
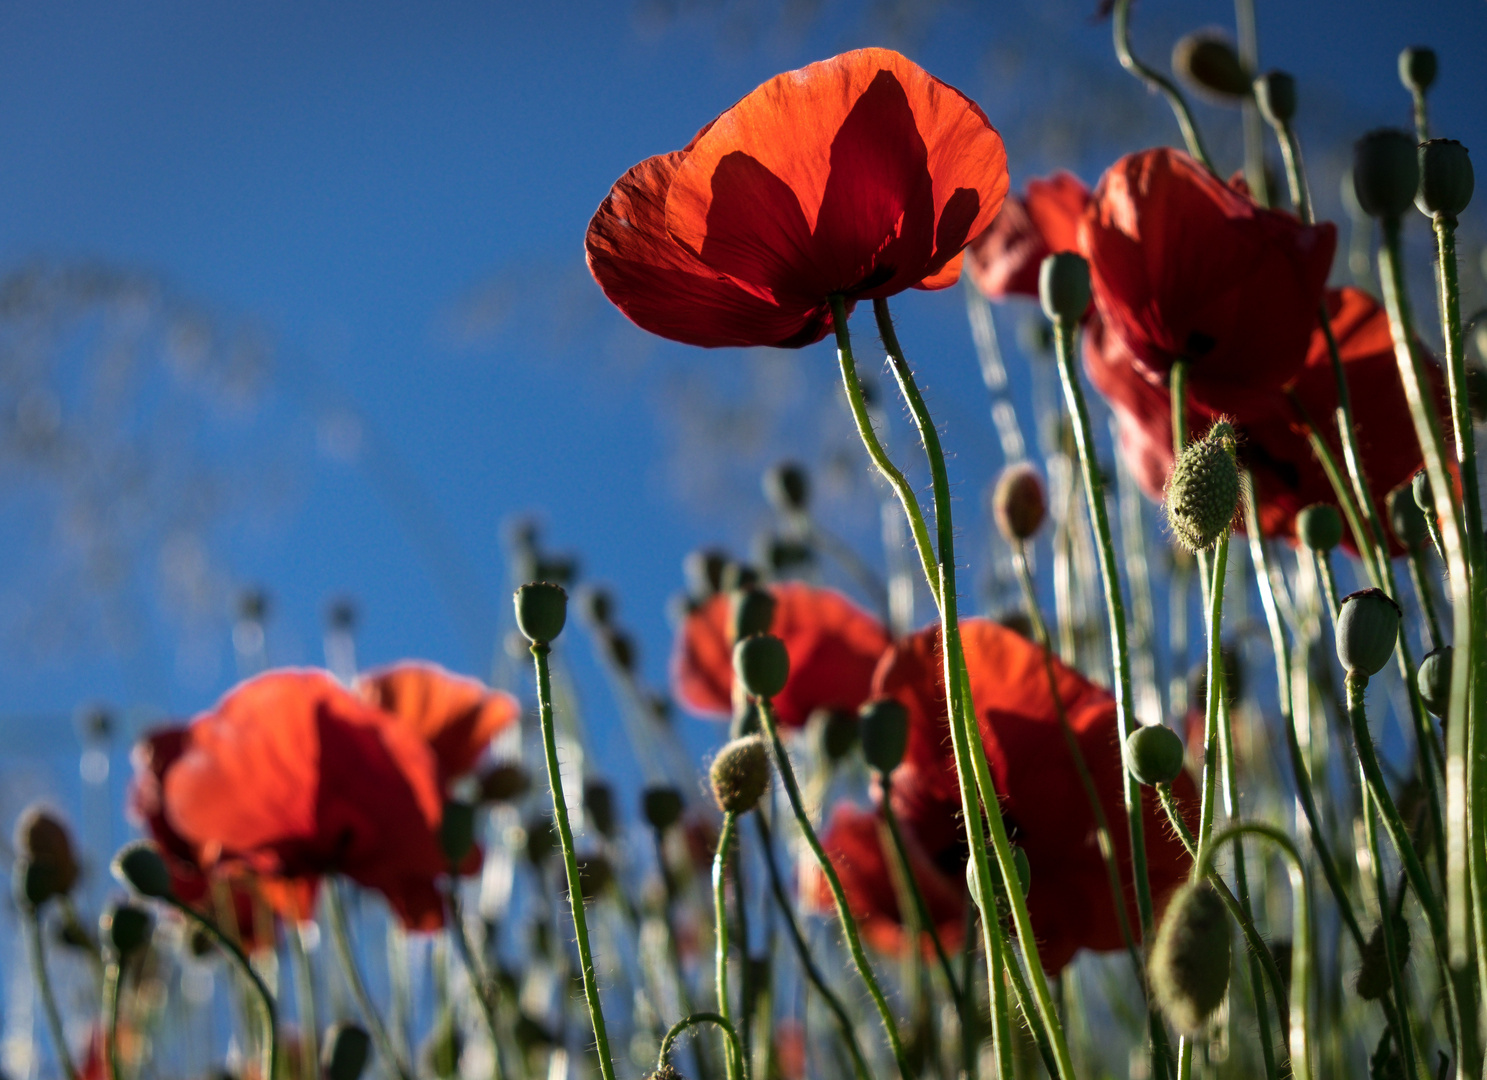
[(683, 994), (340, 934), (540, 652), (720, 932), (1461, 417), (36, 940), (479, 979), (844, 913), (1393, 954), (735, 1049), (1422, 117), (1418, 578), (270, 1043), (113, 977), (1215, 686), (304, 996), (1025, 1003), (911, 884), (1254, 126), (1121, 27)]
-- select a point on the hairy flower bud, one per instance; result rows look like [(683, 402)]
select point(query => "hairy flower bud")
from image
[(44, 843), (740, 774), (753, 612), (1203, 491), (1367, 628), (1417, 67), (344, 1051), (541, 611), (1063, 286), (140, 866), (1018, 503), (125, 928), (762, 665), (1155, 754), (661, 806), (1319, 527), (885, 733), (1434, 681), (1446, 179), (1275, 94), (1406, 518), (787, 487), (1386, 172), (1207, 61), (1189, 966)]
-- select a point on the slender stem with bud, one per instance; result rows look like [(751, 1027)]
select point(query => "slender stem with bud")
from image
[(690, 1021), (35, 939), (335, 917), (735, 1058), (1120, 18)]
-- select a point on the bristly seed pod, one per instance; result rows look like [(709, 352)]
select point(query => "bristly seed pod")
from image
[(740, 774), (1319, 527), (1434, 681), (1207, 61), (762, 665), (1018, 503), (1367, 628), (1203, 492), (1189, 966), (1446, 179)]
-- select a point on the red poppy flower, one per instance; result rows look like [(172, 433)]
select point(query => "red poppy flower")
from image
[(456, 716), (859, 176), (293, 776), (1006, 258), (834, 647), (1184, 266), (1042, 799)]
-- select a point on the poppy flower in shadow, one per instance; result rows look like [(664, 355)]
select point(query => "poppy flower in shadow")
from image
[(456, 716), (833, 644), (1006, 258), (1184, 266), (859, 176)]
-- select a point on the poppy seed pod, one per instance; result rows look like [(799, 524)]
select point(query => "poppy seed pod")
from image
[(836, 732), (1434, 681), (598, 804), (1018, 503), (1386, 172), (1155, 754), (1063, 286), (1373, 970), (344, 1051), (140, 866), (595, 874), (126, 929), (762, 665), (1406, 518), (1189, 966), (457, 831), (1207, 61), (1367, 628), (43, 841), (596, 605), (787, 487), (884, 732), (1417, 68), (541, 611), (1446, 179), (740, 774), (1203, 492), (703, 571), (620, 648), (661, 806), (505, 781), (1319, 527), (1275, 93), (753, 612)]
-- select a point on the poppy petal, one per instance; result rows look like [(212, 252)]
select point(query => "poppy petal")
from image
[(1006, 258), (456, 716)]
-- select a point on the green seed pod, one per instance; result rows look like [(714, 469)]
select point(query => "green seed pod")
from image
[(836, 732), (1207, 61), (126, 929), (620, 648), (541, 611), (762, 665), (1424, 496), (541, 839), (753, 612), (703, 570), (1275, 94), (1018, 503), (457, 831), (598, 804), (1406, 518), (140, 866), (1319, 527), (344, 1052), (595, 874), (1063, 286), (1203, 492), (1155, 754), (1434, 681), (1386, 172), (504, 782), (1373, 971), (1417, 68), (597, 606), (787, 487), (885, 733), (1367, 628), (1446, 179), (740, 774), (1189, 966), (661, 806), (45, 844)]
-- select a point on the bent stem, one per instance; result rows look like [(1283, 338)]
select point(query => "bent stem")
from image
[(35, 939), (270, 1046), (735, 1049), (478, 976), (734, 1060), (340, 935), (1393, 953), (1120, 19)]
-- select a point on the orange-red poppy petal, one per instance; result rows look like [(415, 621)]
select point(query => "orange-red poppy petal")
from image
[(456, 716), (1006, 258)]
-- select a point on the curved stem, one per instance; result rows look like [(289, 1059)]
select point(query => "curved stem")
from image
[(679, 972), (304, 996), (734, 1061), (1211, 734), (340, 935), (570, 861), (1121, 27), (113, 977), (1393, 953), (676, 1029), (36, 940), (1421, 581), (270, 1045)]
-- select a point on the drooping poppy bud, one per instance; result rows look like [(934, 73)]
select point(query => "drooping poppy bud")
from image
[(1018, 503), (884, 724), (1417, 68), (1275, 94), (541, 839), (1063, 286), (1189, 966), (620, 648), (762, 665), (140, 866), (1406, 518), (1424, 496), (1203, 492), (1367, 628), (125, 928), (44, 843), (787, 487), (1319, 527), (1207, 61), (1434, 680), (1386, 172), (836, 732), (345, 1049), (753, 612), (457, 831), (1373, 971), (1446, 179), (1155, 753), (597, 606), (595, 874), (703, 571), (598, 804), (661, 806), (541, 611), (505, 781), (740, 774)]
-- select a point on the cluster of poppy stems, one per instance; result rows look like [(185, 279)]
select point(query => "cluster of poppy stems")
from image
[(1019, 812)]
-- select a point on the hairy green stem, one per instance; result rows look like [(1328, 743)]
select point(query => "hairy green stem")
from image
[(734, 1061), (479, 979), (1121, 28), (340, 934), (674, 1032), (1393, 953), (35, 939), (921, 908)]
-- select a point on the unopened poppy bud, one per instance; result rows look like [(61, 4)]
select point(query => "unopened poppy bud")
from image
[(884, 729), (703, 570), (140, 866), (1016, 621), (1367, 628), (1446, 179), (1203, 492), (44, 842), (125, 928), (597, 606), (457, 831), (1373, 970), (740, 774), (1275, 94), (836, 730), (1406, 518), (753, 612), (787, 487), (662, 806), (1207, 61), (1417, 67), (598, 804), (1063, 286), (1018, 503), (541, 611), (1386, 172), (1189, 966), (1319, 527), (1434, 681), (505, 781), (762, 664), (344, 1051), (620, 648), (1155, 754)]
